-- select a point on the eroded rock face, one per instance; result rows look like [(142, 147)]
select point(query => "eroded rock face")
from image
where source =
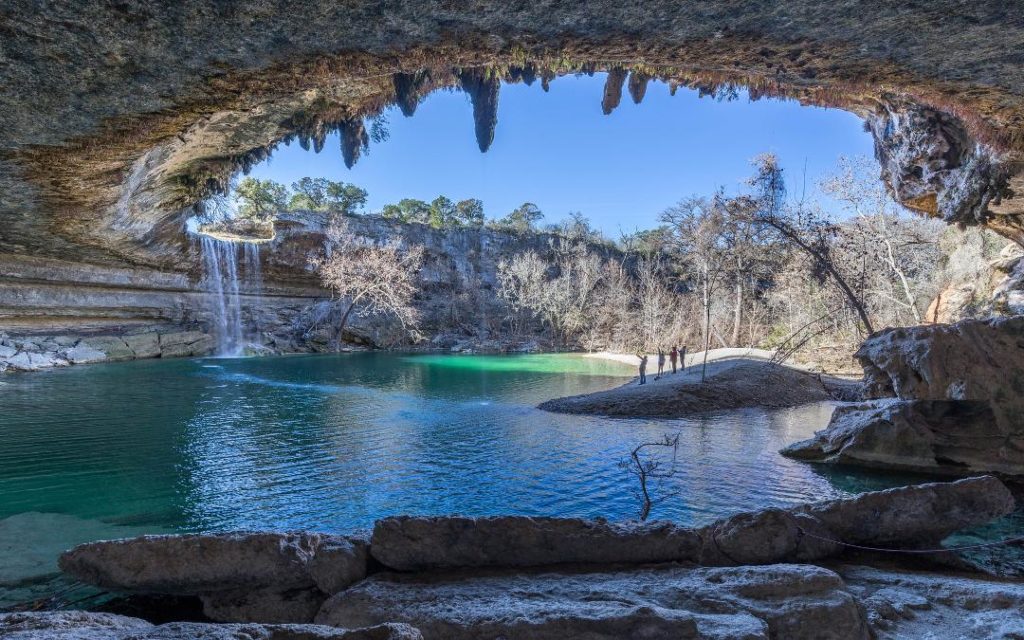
[(781, 601), (960, 406), (84, 625)]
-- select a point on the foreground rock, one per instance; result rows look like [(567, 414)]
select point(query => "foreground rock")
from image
[(952, 402), (247, 577), (909, 604), (83, 625), (730, 384), (781, 601), (905, 517)]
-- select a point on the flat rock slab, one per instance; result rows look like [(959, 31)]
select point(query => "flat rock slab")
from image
[(84, 625), (407, 543), (779, 601), (203, 564)]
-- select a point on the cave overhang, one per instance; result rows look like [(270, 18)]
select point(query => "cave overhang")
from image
[(161, 124)]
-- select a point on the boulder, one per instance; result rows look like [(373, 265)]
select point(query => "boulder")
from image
[(407, 543), (195, 564), (781, 601), (7, 352), (82, 353), (962, 409), (144, 345), (34, 361), (185, 344), (921, 514), (933, 436), (85, 625), (240, 577), (766, 537)]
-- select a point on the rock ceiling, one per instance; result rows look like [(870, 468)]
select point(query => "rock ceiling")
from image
[(119, 117)]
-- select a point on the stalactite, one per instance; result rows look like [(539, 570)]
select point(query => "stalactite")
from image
[(545, 79), (410, 89), (638, 86), (613, 90), (354, 139), (673, 86), (482, 88)]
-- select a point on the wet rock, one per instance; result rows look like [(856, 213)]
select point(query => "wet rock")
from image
[(85, 625), (185, 344), (921, 514), (781, 601), (196, 564), (263, 605), (409, 543), (909, 604)]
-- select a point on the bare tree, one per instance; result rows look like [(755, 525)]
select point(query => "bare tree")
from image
[(369, 278), (651, 470), (698, 234)]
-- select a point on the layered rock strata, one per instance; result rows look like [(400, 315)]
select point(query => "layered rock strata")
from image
[(949, 399), (522, 577)]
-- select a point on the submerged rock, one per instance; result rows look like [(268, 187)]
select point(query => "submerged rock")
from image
[(85, 625), (782, 601), (409, 543)]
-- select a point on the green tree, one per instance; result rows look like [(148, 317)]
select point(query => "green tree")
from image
[(407, 210), (524, 218), (260, 200), (321, 194), (470, 213), (442, 213)]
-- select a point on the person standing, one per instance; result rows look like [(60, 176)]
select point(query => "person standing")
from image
[(643, 369), (682, 359), (661, 363), (673, 355)]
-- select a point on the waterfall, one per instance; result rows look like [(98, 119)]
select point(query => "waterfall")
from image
[(221, 282)]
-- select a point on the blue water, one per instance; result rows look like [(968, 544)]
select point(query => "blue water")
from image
[(334, 442)]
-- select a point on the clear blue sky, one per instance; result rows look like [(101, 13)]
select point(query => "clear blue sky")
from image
[(560, 152)]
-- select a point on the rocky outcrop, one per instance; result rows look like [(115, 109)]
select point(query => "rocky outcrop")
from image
[(522, 577), (83, 625), (250, 577), (781, 601), (913, 516), (32, 353), (958, 407)]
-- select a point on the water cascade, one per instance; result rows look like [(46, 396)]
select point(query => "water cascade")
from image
[(222, 284)]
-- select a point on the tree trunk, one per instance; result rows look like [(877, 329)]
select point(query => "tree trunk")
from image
[(737, 321)]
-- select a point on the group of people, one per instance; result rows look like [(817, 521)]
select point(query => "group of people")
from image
[(674, 356)]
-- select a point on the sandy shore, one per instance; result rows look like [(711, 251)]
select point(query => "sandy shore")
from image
[(736, 378)]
